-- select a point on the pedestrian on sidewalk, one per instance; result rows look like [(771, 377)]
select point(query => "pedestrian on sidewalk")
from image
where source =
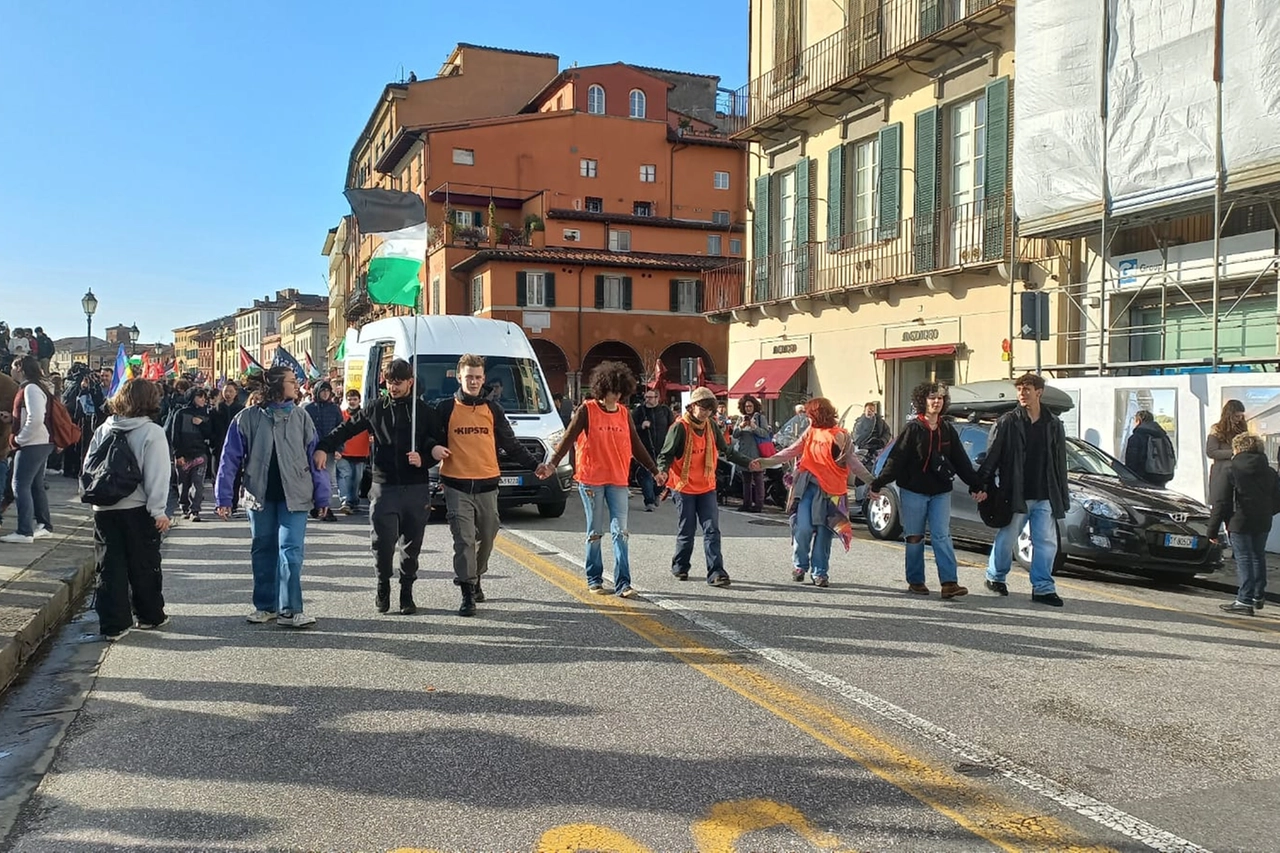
[(274, 442), (1217, 445), (32, 441), (652, 420), (818, 503), (352, 458), (687, 464), (1026, 466), (609, 441), (1247, 498), (747, 433), (925, 459), (473, 429), (1149, 452), (190, 432), (127, 534), (400, 498)]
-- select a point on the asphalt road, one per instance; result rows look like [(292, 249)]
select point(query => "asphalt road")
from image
[(766, 716)]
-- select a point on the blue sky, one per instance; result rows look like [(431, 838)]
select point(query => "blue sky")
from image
[(181, 158)]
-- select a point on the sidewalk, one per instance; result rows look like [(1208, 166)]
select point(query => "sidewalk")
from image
[(38, 582)]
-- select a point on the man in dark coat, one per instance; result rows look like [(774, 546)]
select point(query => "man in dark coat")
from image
[(653, 421), (1158, 469)]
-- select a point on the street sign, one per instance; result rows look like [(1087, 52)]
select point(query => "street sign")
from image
[(1035, 316)]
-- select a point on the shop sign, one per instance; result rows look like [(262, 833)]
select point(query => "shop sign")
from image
[(1242, 255), (918, 334)]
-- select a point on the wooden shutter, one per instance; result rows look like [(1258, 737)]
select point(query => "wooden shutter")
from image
[(995, 207), (760, 233), (930, 17), (522, 289), (699, 296), (626, 293), (806, 176), (549, 289), (890, 181), (599, 291), (675, 295), (928, 145), (836, 217)]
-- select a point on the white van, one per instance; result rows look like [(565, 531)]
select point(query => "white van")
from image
[(509, 359)]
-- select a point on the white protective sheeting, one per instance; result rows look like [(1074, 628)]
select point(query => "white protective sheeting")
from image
[(1251, 92)]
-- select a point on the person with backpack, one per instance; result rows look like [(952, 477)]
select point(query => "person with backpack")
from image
[(190, 432), (44, 348), (1246, 499), (126, 479), (1149, 453), (33, 440)]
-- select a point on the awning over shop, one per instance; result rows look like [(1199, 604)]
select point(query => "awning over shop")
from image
[(766, 376), (894, 353)]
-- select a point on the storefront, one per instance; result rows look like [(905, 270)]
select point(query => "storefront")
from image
[(916, 352), (779, 377)]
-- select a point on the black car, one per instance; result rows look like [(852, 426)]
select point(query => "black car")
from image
[(1116, 521)]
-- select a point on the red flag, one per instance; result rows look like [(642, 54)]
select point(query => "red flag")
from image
[(660, 378), (702, 374)]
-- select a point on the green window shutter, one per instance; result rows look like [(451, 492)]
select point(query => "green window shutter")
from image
[(549, 289), (835, 197), (890, 181), (675, 295), (626, 293), (760, 234), (599, 292), (930, 17), (925, 233), (995, 207), (806, 174), (522, 289)]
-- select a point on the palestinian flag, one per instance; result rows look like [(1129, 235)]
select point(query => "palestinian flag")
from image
[(313, 372), (400, 219), (248, 364)]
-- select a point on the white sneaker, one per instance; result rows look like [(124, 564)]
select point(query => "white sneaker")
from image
[(296, 620), (148, 626), (17, 539), (259, 617), (42, 533)]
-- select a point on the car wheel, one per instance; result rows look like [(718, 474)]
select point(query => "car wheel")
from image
[(883, 517), (553, 510), (1022, 550)]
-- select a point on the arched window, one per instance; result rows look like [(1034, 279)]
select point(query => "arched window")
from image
[(637, 103), (595, 99)]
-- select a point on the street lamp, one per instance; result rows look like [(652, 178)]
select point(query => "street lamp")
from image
[(89, 303), (133, 339)]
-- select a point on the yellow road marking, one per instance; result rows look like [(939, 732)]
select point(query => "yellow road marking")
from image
[(726, 823), (574, 837), (979, 809)]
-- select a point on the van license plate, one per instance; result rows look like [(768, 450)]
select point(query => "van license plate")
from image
[(1172, 541), (511, 481)]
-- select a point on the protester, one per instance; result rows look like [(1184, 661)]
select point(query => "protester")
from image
[(400, 497), (229, 405), (1026, 466), (688, 464), (190, 433), (564, 407), (327, 416), (1149, 453), (652, 421), (20, 344), (352, 458), (925, 459), (1247, 497), (609, 441), (1217, 446), (747, 434), (275, 443), (32, 441), (473, 429), (8, 393), (43, 348), (127, 534)]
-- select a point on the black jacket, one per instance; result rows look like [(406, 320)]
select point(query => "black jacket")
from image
[(1135, 451), (223, 415), (325, 415), (390, 421), (1246, 497), (504, 441), (190, 431), (44, 346), (660, 419), (1007, 460), (908, 462)]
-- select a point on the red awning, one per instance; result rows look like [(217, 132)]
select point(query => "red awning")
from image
[(766, 376), (915, 352)]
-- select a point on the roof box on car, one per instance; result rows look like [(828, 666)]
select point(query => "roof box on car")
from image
[(997, 396)]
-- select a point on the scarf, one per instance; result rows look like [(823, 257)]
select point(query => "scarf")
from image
[(709, 456)]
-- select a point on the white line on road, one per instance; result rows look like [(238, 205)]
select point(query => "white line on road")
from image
[(1077, 801)]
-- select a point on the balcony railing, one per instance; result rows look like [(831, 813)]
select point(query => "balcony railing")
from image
[(885, 30), (474, 236)]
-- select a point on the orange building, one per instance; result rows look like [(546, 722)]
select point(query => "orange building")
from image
[(588, 216)]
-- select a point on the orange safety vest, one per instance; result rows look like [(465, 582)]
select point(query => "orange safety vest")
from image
[(817, 458), (357, 446), (604, 447), (473, 455), (691, 474)]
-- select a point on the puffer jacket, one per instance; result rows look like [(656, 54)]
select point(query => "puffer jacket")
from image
[(255, 434)]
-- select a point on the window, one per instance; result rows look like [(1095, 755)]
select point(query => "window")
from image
[(436, 307), (713, 244), (595, 99), (965, 177), (587, 168), (720, 217), (788, 24), (477, 294), (648, 173), (637, 103), (535, 290), (595, 205), (735, 247), (619, 241), (863, 190), (721, 181), (686, 296), (642, 208), (468, 218), (613, 288), (464, 156)]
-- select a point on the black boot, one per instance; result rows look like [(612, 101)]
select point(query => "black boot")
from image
[(468, 607), (383, 599), (407, 607), (479, 592)]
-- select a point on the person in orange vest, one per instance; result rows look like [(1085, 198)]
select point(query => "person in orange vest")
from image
[(606, 440), (351, 459), (688, 464)]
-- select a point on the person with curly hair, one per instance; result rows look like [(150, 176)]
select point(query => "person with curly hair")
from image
[(926, 456), (605, 440), (747, 433)]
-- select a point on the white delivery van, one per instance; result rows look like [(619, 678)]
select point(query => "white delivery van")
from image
[(509, 363)]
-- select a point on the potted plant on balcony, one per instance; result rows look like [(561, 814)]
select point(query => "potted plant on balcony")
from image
[(535, 231), (493, 224)]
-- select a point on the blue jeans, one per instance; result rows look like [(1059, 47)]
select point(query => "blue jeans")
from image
[(694, 511), (4, 472), (28, 487), (1250, 551), (601, 503), (1044, 547), (917, 509), (277, 557), (811, 537), (648, 487), (349, 475)]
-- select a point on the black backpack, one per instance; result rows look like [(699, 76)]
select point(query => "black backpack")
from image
[(1161, 458), (111, 473)]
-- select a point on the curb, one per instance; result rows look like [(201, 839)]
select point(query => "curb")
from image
[(1225, 586)]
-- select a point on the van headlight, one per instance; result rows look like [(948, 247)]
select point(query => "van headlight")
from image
[(552, 441)]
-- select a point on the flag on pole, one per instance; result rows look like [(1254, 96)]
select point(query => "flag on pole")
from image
[(120, 372), (400, 219), (249, 364), (282, 358), (313, 372), (342, 350)]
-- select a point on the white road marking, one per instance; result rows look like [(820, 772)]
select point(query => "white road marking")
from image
[(1069, 798)]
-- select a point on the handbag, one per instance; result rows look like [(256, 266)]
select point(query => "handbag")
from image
[(766, 447)]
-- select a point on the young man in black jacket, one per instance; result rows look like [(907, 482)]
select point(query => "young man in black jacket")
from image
[(1137, 452), (653, 422), (401, 493), (1027, 464), (190, 431), (1246, 499)]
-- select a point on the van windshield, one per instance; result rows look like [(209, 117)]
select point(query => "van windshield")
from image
[(513, 383)]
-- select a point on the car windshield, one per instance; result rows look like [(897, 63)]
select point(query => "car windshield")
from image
[(513, 383), (1084, 458)]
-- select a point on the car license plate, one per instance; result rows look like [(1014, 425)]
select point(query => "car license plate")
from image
[(1173, 541), (511, 481)]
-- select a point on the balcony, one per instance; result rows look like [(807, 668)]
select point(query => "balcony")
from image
[(830, 70), (358, 305), (474, 236)]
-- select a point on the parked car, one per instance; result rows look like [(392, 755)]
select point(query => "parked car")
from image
[(1116, 520)]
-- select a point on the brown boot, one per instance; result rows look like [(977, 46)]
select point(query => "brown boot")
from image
[(953, 590), (918, 588)]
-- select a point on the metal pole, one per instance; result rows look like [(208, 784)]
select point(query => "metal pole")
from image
[(88, 342), (1217, 178), (1013, 255), (1106, 202)]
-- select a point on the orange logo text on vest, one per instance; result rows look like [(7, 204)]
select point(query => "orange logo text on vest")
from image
[(471, 430)]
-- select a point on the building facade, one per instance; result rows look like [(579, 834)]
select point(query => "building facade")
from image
[(305, 330), (260, 321)]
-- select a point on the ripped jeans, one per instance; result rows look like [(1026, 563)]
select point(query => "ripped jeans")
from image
[(606, 503)]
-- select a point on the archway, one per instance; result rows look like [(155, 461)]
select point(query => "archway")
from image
[(555, 365), (672, 355), (610, 351)]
